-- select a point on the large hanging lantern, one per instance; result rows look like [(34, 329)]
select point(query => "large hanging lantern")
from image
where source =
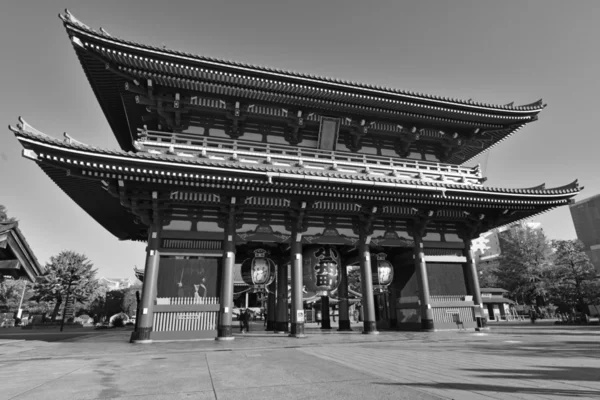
[(382, 272), (321, 269), (259, 271)]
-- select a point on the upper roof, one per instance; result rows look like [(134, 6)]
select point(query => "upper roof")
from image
[(109, 62), (27, 259)]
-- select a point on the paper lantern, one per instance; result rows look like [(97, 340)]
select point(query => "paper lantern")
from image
[(258, 271), (321, 269), (382, 271)]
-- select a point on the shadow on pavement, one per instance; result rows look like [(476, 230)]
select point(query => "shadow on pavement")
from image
[(549, 372), (500, 389)]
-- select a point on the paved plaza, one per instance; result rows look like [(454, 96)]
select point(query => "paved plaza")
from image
[(518, 361)]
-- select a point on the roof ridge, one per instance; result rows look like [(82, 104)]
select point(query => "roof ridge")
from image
[(537, 106)]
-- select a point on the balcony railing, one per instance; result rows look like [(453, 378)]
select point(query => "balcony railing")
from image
[(191, 145)]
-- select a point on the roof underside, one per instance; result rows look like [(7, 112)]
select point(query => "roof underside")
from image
[(110, 63)]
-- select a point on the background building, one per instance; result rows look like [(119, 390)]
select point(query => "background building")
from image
[(586, 218)]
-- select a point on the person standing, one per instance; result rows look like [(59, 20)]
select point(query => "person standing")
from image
[(247, 321)]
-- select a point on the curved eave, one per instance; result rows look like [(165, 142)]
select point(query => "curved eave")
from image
[(75, 27), (189, 169), (28, 261)]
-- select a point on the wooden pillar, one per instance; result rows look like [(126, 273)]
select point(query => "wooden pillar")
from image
[(423, 282), (344, 322), (271, 301), (281, 312), (325, 320), (297, 317), (472, 278), (368, 306), (225, 332), (392, 304), (145, 317)]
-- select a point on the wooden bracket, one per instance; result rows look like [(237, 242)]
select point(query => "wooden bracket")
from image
[(363, 223), (298, 217), (418, 226)]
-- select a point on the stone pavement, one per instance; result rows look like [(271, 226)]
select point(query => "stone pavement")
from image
[(507, 362)]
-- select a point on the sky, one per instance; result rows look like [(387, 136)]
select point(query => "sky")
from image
[(485, 50)]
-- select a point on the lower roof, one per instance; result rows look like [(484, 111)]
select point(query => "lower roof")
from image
[(97, 167)]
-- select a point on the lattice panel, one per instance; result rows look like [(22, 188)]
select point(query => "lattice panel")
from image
[(185, 244), (195, 197), (337, 206), (268, 202)]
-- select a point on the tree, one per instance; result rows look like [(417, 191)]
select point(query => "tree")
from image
[(68, 272), (573, 280), (129, 303), (524, 263), (10, 292), (354, 279), (4, 215)]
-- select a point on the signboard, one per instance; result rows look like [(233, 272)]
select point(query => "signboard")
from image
[(300, 316)]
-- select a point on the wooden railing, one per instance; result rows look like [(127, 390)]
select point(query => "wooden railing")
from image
[(180, 301), (185, 321), (445, 314), (220, 148), (437, 299)]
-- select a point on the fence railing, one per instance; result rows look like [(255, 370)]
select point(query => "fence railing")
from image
[(437, 299), (181, 301), (202, 146), (185, 321)]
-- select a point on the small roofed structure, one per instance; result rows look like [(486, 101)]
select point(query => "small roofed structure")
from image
[(17, 260), (495, 305)]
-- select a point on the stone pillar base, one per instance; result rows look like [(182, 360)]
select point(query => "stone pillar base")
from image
[(370, 328), (426, 324), (281, 327), (141, 335), (297, 330), (224, 332), (344, 325)]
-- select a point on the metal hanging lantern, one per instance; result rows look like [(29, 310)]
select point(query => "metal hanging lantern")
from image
[(321, 269), (382, 272), (259, 271)]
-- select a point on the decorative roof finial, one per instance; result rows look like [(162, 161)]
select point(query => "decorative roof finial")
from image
[(68, 17)]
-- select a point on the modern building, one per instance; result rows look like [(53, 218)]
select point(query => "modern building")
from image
[(223, 163), (586, 218)]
